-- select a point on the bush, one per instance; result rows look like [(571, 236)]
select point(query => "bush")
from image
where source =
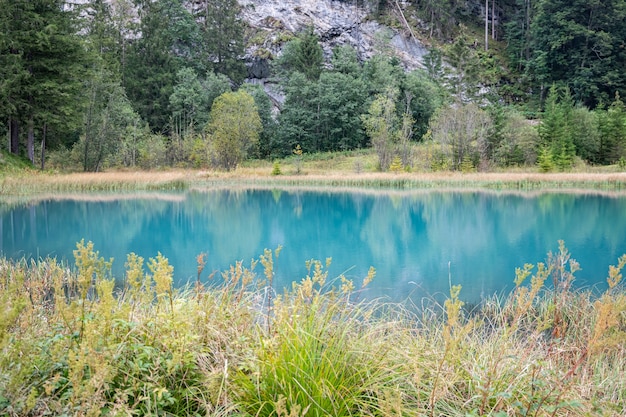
[(152, 152), (276, 169)]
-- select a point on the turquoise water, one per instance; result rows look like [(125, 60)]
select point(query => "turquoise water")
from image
[(418, 242)]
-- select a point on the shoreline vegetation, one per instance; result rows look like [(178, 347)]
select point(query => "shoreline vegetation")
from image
[(73, 344), (26, 183)]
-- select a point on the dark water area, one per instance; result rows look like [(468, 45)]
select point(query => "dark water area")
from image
[(419, 242)]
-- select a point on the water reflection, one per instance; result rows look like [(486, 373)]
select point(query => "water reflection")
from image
[(418, 242)]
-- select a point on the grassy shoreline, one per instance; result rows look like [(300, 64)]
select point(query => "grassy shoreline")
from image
[(71, 345), (34, 182)]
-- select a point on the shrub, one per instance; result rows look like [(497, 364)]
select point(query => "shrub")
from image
[(276, 169)]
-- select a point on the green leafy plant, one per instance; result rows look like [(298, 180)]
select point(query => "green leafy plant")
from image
[(276, 169)]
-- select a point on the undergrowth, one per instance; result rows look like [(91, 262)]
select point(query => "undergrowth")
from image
[(72, 343)]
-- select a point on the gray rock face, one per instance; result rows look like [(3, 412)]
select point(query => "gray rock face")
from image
[(335, 22)]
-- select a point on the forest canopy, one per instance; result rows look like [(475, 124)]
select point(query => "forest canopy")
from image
[(98, 84)]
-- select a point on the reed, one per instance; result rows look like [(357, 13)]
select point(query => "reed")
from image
[(72, 343), (35, 182)]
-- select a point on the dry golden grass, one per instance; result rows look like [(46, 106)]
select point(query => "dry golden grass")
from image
[(314, 173)]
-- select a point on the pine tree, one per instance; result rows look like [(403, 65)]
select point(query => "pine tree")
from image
[(169, 40), (612, 127), (222, 35), (580, 44), (303, 54), (42, 60)]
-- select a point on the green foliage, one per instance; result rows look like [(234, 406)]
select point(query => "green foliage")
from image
[(518, 141), (545, 160), (264, 106), (557, 124), (342, 99), (73, 345), (382, 73), (303, 54), (190, 107), (396, 165), (422, 97), (108, 120), (222, 37), (464, 75), (462, 130), (152, 152), (381, 126), (579, 44), (42, 64), (234, 128), (191, 104), (10, 163), (467, 165), (612, 132), (345, 60), (319, 359), (322, 115), (276, 169), (585, 133), (169, 41)]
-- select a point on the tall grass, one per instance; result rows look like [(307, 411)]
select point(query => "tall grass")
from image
[(73, 344), (34, 182)]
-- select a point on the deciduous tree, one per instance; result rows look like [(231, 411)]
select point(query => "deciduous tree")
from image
[(462, 130), (234, 128), (381, 124)]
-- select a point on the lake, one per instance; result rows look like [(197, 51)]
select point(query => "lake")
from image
[(418, 241)]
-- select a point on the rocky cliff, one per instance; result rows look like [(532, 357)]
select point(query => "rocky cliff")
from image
[(273, 22)]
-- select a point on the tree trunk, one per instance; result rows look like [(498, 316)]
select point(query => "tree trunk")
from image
[(486, 25), (30, 144), (43, 147), (493, 19), (14, 143)]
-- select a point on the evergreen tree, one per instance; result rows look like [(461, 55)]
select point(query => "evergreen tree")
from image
[(298, 122), (265, 108), (342, 99), (102, 39), (345, 60), (382, 73), (222, 36), (585, 133), (612, 132), (440, 16), (555, 128), (303, 54), (581, 44), (518, 34), (42, 62), (168, 41)]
